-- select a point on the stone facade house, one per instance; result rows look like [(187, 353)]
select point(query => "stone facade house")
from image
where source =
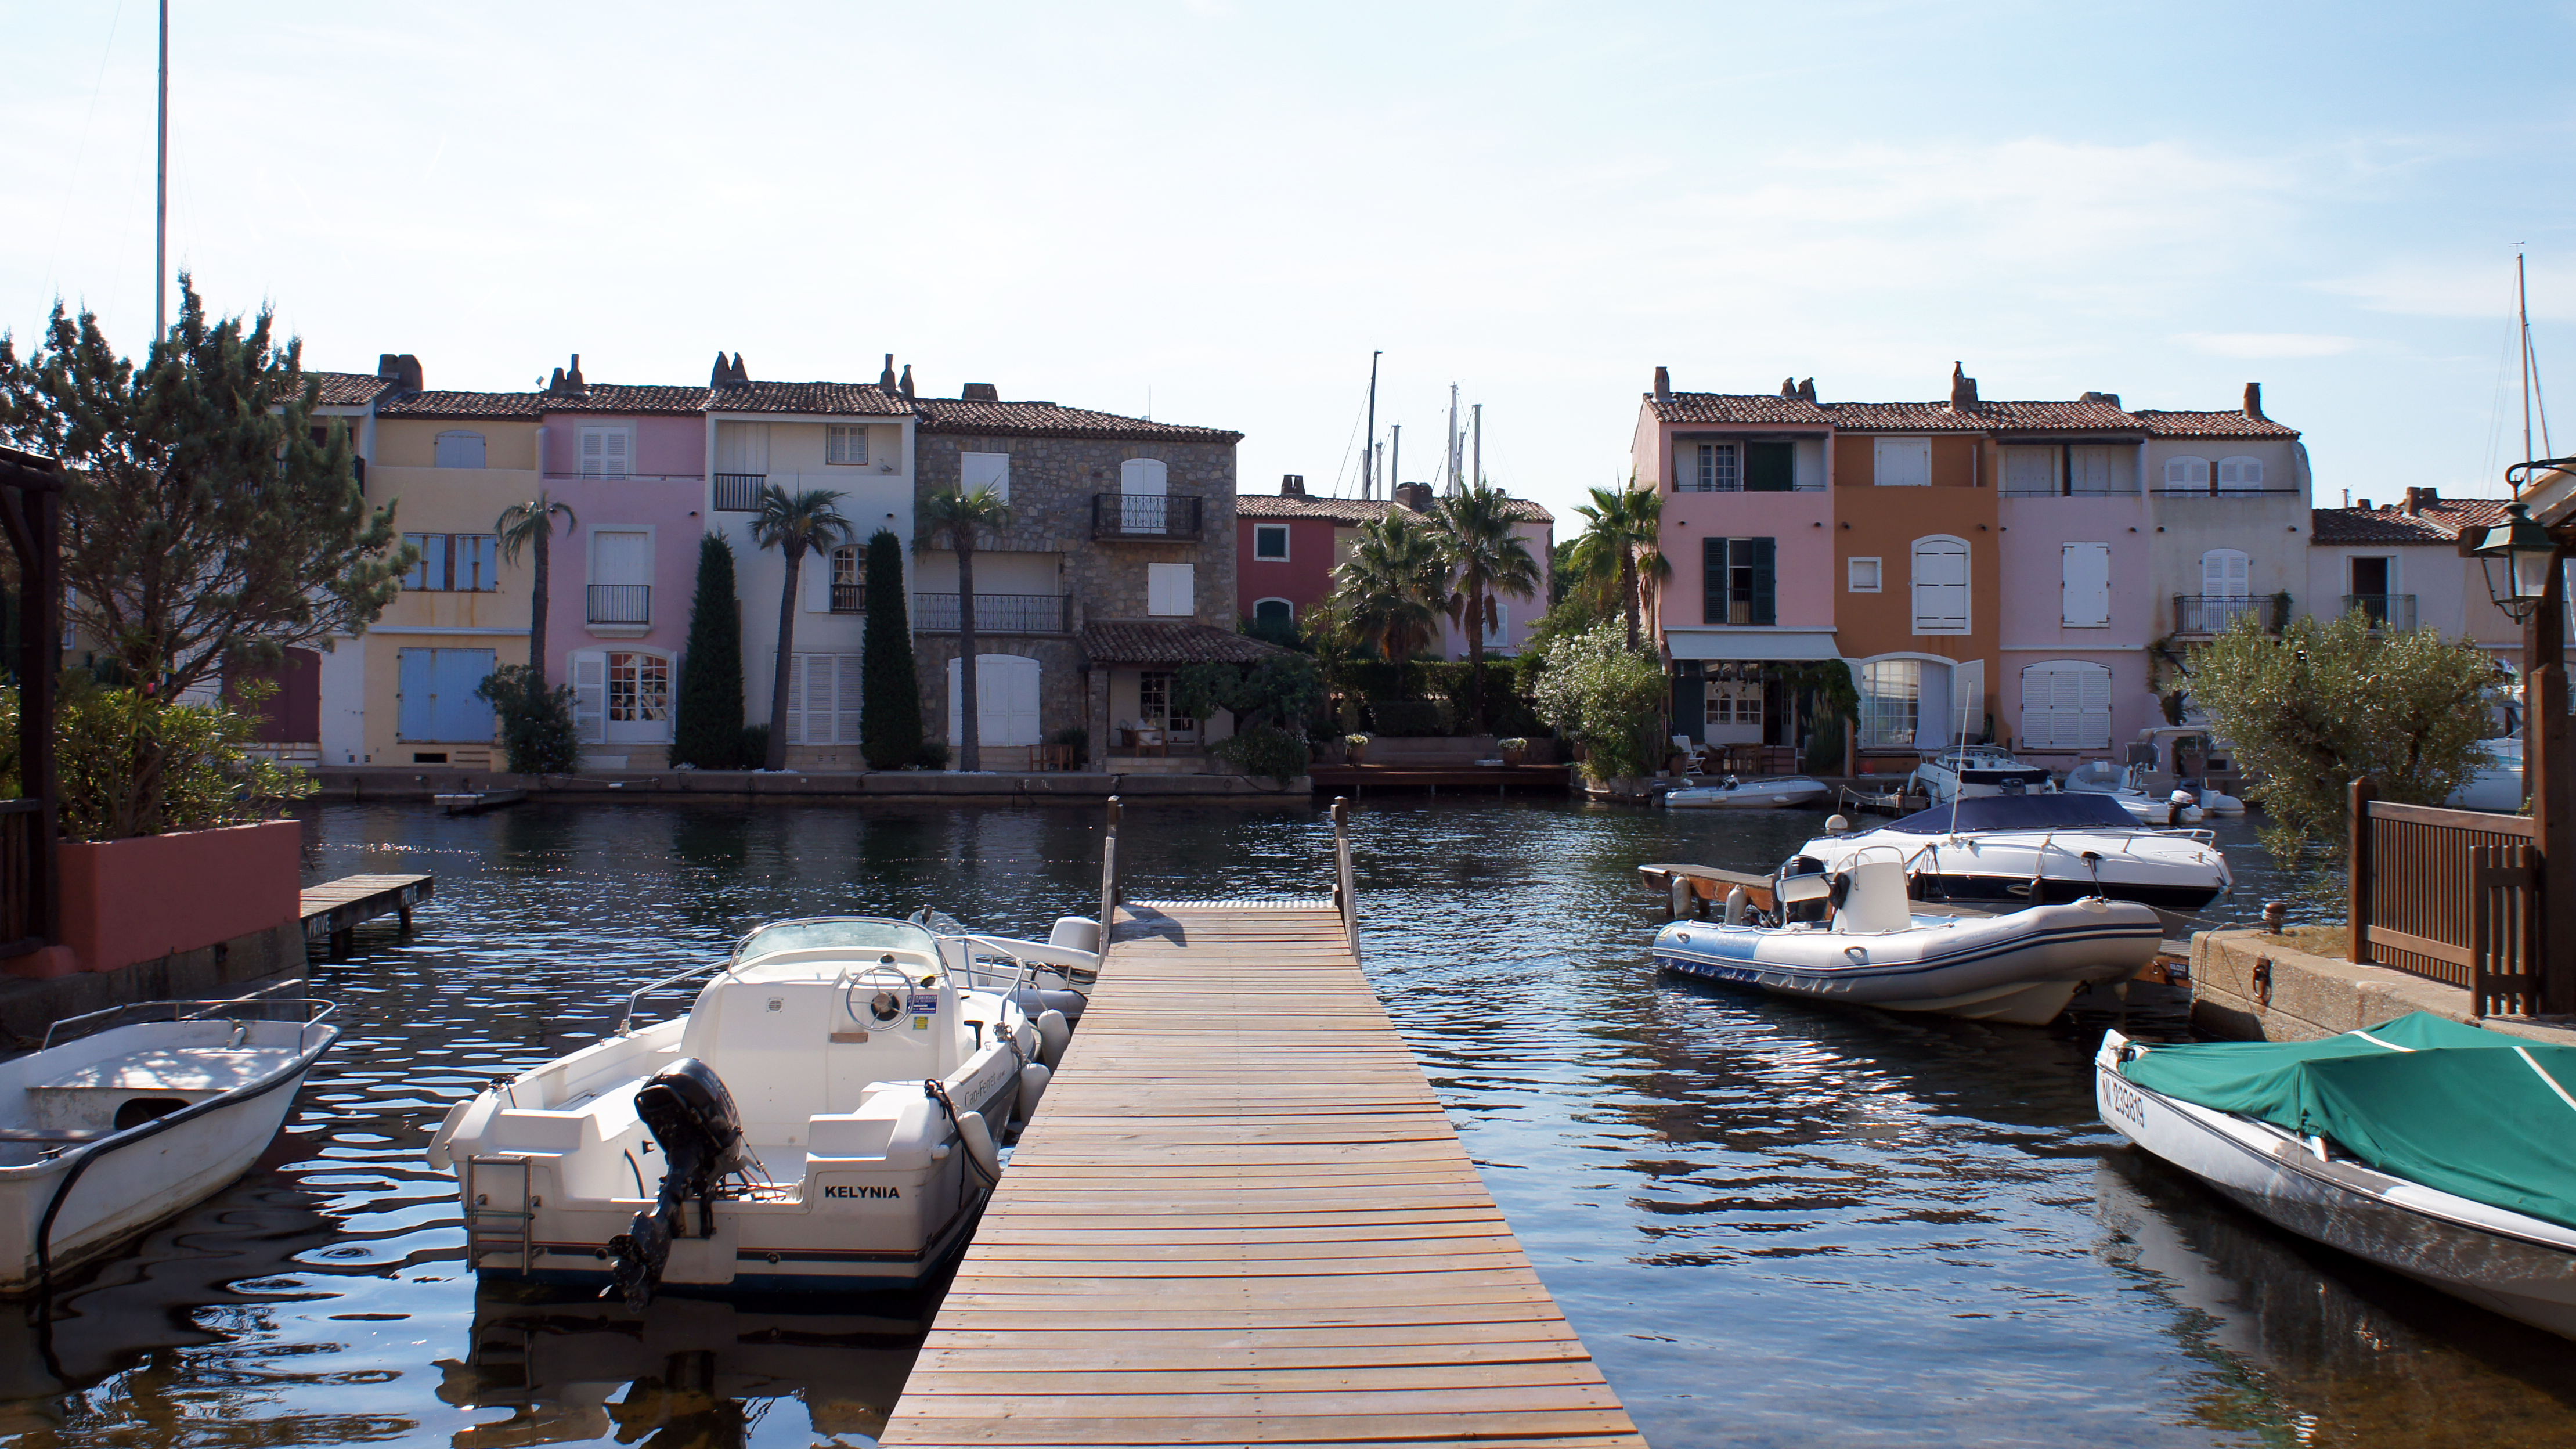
[(1117, 567)]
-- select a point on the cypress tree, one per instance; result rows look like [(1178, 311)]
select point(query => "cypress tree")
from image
[(890, 718), (708, 730)]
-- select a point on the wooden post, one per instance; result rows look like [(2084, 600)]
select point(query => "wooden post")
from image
[(2357, 873), (1109, 874), (2548, 772)]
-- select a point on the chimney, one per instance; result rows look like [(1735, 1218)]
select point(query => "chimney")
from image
[(401, 369), (905, 386), (1789, 386), (885, 379), (740, 375), (1292, 485), (1807, 390), (1963, 389), (2253, 399), (1663, 384), (1416, 496), (2364, 505), (718, 375), (2106, 399), (2414, 502), (979, 392)]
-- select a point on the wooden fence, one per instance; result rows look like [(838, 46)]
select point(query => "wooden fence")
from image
[(2449, 895)]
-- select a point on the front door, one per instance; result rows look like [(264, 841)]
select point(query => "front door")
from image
[(639, 698), (437, 698)]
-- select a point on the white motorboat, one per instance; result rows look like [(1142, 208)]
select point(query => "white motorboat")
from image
[(2007, 851), (1875, 950), (1976, 770), (824, 1117), (2180, 757), (2126, 787), (1054, 974), (1730, 793), (2498, 784), (2441, 1151), (126, 1116)]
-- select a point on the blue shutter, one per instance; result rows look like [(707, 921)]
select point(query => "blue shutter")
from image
[(459, 716), (1761, 552), (1712, 577), (418, 696)]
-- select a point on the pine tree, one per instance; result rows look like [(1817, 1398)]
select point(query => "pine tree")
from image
[(891, 709), (708, 731)]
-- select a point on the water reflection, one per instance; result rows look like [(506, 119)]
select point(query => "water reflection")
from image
[(1773, 1222)]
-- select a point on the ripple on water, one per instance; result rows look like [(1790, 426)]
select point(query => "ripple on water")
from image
[(1773, 1223)]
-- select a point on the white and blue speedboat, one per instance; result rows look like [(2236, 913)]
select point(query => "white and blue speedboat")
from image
[(1874, 950), (1998, 852)]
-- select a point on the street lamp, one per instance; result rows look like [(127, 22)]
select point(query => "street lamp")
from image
[(2515, 556)]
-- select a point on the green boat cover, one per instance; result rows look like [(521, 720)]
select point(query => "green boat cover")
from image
[(2475, 1113)]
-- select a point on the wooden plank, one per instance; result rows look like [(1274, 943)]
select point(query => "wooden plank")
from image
[(1242, 1216)]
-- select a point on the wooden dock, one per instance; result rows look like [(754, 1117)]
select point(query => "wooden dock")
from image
[(1241, 1217), (333, 910), (1358, 780)]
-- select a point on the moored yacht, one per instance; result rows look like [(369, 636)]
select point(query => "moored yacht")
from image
[(1976, 770), (2017, 850)]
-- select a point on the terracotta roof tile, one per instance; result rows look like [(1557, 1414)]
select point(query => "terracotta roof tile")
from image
[(2440, 522), (349, 389), (1169, 641), (461, 405), (611, 397), (864, 399), (1736, 407), (2007, 416), (1905, 417), (2234, 423), (1049, 420), (1351, 512)]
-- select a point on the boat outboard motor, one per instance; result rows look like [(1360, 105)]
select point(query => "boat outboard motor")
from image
[(692, 1116)]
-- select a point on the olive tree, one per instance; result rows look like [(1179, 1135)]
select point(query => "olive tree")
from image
[(2324, 702), (1606, 696)]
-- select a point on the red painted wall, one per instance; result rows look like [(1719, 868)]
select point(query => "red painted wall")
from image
[(1303, 579), (126, 901)]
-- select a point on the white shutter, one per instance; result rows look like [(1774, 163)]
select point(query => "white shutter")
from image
[(956, 707), (1142, 476), (2090, 470), (2086, 603), (814, 581), (2066, 705), (2186, 472), (847, 674), (2240, 475), (1171, 589), (2225, 574), (1940, 586), (615, 452), (985, 470), (1011, 709), (794, 724), (2030, 470), (1902, 462), (590, 694), (1500, 635)]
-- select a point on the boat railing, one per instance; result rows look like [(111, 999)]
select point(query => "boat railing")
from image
[(626, 1019), (263, 1005)]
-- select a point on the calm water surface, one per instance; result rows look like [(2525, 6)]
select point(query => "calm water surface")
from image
[(1773, 1224)]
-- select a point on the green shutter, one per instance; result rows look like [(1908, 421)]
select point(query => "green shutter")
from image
[(1763, 552), (1712, 578), (1770, 468)]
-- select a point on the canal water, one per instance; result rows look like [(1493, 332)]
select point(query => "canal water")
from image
[(1772, 1223)]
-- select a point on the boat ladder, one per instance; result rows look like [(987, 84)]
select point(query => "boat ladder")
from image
[(498, 1215)]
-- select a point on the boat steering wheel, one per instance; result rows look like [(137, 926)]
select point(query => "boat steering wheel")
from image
[(883, 1008)]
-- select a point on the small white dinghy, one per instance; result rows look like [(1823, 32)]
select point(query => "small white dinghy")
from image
[(127, 1116), (1875, 951), (1730, 793), (824, 1117), (2439, 1150)]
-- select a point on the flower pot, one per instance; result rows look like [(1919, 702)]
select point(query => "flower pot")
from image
[(1358, 754), (1514, 757), (134, 900)]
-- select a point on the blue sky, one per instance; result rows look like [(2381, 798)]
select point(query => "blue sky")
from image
[(1226, 207)]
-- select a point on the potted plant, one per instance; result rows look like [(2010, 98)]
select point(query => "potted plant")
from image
[(1071, 748), (1357, 748), (1514, 750)]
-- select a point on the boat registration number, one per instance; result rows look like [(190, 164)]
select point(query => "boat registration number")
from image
[(2122, 1099)]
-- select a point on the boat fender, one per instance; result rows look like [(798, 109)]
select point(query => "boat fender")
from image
[(1838, 825), (979, 1145), (1054, 1034), (1081, 933), (1735, 905), (1033, 1084), (1025, 1038), (1679, 892)]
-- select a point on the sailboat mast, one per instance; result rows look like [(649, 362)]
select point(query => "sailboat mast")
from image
[(1395, 459), (1453, 438), (2522, 309), (1368, 455), (161, 196), (1476, 474)]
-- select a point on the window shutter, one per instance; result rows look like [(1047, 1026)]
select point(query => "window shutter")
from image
[(2030, 470), (2224, 574), (1901, 462), (2066, 705), (956, 707), (2085, 576), (1940, 586), (985, 470), (800, 696), (2091, 470), (1712, 576), (1171, 589), (614, 452), (590, 694), (1762, 552), (848, 674), (814, 580)]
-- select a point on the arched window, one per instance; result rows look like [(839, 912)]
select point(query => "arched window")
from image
[(1274, 615), (2066, 705), (1891, 701), (2186, 475), (1941, 585), (2240, 475), (459, 448)]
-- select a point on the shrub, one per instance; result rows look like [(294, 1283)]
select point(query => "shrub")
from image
[(537, 732), (1076, 736), (933, 755), (890, 707), (107, 741), (753, 752), (707, 727), (1264, 750), (1607, 697), (1412, 717)]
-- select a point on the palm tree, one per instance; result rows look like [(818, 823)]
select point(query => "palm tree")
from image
[(963, 517), (531, 526), (1484, 555), (1394, 586), (1624, 538), (792, 525)]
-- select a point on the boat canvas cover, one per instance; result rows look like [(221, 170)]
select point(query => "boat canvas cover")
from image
[(2018, 812), (2474, 1113)]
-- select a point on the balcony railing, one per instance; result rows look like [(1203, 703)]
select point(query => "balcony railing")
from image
[(1150, 517), (2230, 490), (996, 613), (2386, 611), (849, 598), (2215, 613), (621, 603), (739, 492)]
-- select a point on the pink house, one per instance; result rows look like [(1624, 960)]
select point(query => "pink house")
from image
[(630, 464), (1287, 546)]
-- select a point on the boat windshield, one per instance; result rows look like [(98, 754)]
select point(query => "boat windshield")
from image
[(830, 933), (2019, 812)]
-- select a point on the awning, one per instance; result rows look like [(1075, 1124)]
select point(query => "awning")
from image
[(1741, 643)]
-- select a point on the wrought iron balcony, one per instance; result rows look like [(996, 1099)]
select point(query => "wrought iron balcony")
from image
[(996, 613), (739, 492), (2386, 611), (849, 598), (2215, 613), (1146, 517), (621, 603)]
